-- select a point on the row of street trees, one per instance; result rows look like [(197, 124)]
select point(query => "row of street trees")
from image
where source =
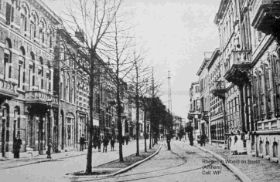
[(105, 36)]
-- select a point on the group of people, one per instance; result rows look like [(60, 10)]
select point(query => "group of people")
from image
[(98, 141), (236, 144)]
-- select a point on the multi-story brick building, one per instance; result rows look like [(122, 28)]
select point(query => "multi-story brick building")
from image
[(44, 95), (28, 103)]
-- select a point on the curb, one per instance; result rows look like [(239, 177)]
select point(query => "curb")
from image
[(43, 160), (243, 177), (120, 171), (135, 164)]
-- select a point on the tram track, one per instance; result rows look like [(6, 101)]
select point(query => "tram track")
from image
[(169, 170)]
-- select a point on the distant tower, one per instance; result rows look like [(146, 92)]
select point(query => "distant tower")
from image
[(169, 93)]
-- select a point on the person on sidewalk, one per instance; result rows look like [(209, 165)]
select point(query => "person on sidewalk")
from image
[(82, 142), (168, 140), (99, 144), (105, 143), (203, 139), (16, 146), (49, 148), (112, 144), (233, 148)]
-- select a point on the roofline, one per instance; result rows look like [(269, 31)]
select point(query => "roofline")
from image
[(222, 7), (202, 66), (47, 8), (213, 58)]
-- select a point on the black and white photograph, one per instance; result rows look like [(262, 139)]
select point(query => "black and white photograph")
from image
[(140, 90)]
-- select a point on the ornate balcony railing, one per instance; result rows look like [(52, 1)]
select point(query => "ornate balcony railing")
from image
[(219, 89), (39, 97), (7, 88), (237, 67), (265, 14)]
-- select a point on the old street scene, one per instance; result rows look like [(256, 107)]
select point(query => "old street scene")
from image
[(137, 90)]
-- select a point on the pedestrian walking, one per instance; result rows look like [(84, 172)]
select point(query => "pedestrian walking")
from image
[(189, 130), (82, 142), (203, 139), (112, 144), (99, 144), (105, 143), (126, 140), (49, 148), (168, 140), (16, 146)]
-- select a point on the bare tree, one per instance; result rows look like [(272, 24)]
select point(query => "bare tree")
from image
[(91, 20), (139, 80), (121, 63)]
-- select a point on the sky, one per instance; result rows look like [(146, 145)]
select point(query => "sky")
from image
[(175, 35)]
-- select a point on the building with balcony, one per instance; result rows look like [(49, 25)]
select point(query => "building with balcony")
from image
[(28, 103), (265, 16), (232, 20), (203, 80), (217, 90), (194, 109), (265, 78)]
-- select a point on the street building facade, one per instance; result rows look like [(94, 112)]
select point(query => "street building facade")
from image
[(265, 77), (203, 81), (243, 77), (194, 112), (44, 94), (28, 102)]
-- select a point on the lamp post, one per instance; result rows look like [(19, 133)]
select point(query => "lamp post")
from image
[(49, 140)]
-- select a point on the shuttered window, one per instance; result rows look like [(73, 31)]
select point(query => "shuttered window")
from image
[(8, 14)]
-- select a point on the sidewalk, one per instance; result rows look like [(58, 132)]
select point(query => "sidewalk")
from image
[(256, 168), (26, 159)]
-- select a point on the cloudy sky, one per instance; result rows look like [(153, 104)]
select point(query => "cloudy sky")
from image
[(175, 33)]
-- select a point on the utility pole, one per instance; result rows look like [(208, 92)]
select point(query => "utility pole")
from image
[(169, 93), (168, 136)]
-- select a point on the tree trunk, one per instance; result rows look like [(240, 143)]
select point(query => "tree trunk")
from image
[(119, 112), (150, 144), (145, 132), (137, 113), (137, 127), (90, 124)]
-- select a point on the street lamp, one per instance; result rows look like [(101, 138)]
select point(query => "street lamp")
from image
[(49, 129)]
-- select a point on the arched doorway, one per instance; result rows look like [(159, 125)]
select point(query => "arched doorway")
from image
[(261, 147), (267, 148), (69, 132), (5, 130), (16, 124), (62, 129), (275, 149)]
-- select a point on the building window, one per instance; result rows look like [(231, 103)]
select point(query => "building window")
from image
[(23, 19), (9, 13), (32, 70), (7, 60), (42, 32)]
